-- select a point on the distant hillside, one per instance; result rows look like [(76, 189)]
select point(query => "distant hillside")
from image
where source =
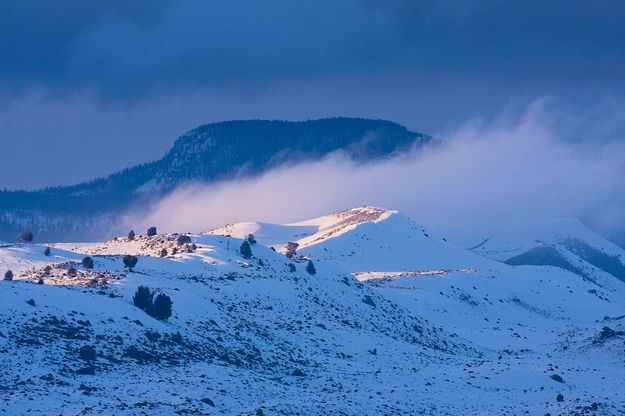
[(205, 154)]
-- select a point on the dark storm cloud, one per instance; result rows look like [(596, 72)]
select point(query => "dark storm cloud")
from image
[(133, 49), (122, 79)]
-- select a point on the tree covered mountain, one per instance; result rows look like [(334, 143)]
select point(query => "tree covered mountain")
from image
[(205, 154)]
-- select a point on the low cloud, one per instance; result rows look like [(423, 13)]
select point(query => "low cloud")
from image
[(514, 167)]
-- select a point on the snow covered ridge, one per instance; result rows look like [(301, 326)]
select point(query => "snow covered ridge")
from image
[(309, 232), (392, 320)]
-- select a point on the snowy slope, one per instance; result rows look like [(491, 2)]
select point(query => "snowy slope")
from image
[(395, 321), (362, 239), (501, 240), (22, 257), (530, 312), (565, 243), (255, 317), (308, 232)]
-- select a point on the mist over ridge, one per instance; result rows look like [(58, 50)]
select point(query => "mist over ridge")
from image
[(539, 163)]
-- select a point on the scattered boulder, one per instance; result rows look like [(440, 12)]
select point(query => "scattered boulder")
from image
[(367, 299), (557, 378), (608, 333), (310, 268), (86, 371), (208, 401), (87, 353)]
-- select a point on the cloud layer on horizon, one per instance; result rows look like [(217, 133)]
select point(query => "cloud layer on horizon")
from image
[(514, 167)]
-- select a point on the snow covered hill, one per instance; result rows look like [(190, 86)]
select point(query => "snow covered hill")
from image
[(396, 320), (308, 232), (363, 239), (565, 243)]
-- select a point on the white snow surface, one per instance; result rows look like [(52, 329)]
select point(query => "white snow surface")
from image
[(503, 239), (308, 232), (396, 321)]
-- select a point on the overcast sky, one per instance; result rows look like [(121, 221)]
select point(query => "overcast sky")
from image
[(90, 87)]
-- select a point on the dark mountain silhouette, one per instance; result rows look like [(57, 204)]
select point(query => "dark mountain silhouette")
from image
[(211, 152)]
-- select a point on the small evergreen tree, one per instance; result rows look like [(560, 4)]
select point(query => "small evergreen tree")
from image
[(25, 237), (143, 298), (184, 239), (130, 262), (292, 267), (8, 275), (131, 235), (246, 250), (40, 281), (291, 249), (251, 239), (71, 272), (151, 231), (164, 252), (161, 308), (87, 262), (46, 252), (310, 268)]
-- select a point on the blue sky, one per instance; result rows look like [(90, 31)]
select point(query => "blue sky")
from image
[(89, 87)]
